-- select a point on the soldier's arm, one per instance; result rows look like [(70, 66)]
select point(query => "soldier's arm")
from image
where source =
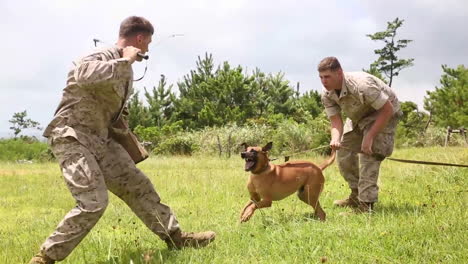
[(336, 131), (383, 116), (379, 100), (95, 69), (374, 95), (333, 111)]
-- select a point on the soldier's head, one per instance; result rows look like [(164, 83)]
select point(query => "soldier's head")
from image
[(331, 73), (137, 32)]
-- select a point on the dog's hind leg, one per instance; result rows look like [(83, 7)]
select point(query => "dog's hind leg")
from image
[(309, 194)]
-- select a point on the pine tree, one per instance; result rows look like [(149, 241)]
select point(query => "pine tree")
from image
[(160, 103), (388, 62), (448, 104)]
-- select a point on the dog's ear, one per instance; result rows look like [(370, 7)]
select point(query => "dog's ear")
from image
[(268, 146), (244, 145)]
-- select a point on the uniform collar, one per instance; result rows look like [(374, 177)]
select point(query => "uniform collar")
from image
[(344, 87), (116, 52), (343, 92)]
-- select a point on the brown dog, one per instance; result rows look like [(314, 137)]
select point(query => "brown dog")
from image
[(269, 182)]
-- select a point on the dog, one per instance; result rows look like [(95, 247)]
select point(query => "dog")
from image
[(269, 182)]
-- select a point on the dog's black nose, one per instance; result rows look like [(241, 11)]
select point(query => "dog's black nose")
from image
[(243, 155)]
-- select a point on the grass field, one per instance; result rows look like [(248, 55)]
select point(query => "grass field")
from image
[(421, 216)]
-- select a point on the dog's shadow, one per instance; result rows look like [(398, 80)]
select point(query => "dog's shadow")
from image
[(272, 221)]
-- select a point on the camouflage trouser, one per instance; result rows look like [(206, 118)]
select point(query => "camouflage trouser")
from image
[(88, 180), (362, 171)]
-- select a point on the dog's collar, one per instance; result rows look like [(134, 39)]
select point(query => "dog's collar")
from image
[(267, 165)]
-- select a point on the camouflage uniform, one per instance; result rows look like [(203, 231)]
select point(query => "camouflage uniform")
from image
[(360, 97), (92, 162)]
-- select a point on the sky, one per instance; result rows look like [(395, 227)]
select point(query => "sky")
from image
[(41, 38)]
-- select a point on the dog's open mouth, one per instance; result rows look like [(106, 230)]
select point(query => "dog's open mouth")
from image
[(249, 164)]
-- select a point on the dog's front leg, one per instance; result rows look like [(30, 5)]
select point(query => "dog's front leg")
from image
[(245, 207), (250, 209), (254, 198)]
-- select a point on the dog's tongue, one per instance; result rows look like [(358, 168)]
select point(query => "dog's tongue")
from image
[(249, 165)]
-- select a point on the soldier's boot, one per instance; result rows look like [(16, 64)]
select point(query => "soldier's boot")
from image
[(362, 208), (41, 258), (180, 239), (352, 201)]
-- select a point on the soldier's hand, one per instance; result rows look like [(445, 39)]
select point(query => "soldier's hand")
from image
[(131, 53), (335, 144), (366, 146)]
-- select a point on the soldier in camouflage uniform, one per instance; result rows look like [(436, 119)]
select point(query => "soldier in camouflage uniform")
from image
[(91, 161), (372, 110)]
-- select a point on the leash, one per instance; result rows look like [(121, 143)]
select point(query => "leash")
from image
[(382, 157), (428, 162), (286, 157)]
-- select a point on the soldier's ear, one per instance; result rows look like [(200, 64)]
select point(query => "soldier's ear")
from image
[(244, 145), (268, 146)]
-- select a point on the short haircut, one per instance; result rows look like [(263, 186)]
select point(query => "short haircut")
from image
[(134, 25), (329, 63)]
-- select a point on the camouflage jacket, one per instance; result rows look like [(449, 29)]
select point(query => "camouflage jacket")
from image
[(98, 86)]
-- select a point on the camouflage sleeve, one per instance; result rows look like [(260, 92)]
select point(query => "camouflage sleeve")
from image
[(331, 107), (94, 69), (374, 94)]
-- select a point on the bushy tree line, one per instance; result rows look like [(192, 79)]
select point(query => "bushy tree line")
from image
[(210, 98), (214, 97)]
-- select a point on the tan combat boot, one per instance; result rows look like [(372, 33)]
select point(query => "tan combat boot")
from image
[(362, 208), (41, 258), (351, 201), (180, 239)]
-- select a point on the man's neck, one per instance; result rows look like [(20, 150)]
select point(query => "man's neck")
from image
[(122, 43), (338, 92)]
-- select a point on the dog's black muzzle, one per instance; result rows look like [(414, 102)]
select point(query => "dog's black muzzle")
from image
[(249, 155)]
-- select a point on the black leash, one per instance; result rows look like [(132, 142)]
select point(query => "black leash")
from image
[(428, 162), (382, 157), (286, 157)]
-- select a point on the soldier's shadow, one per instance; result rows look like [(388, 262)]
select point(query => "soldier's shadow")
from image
[(143, 256), (396, 209)]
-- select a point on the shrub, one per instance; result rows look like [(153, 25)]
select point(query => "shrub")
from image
[(180, 144), (24, 149), (434, 136)]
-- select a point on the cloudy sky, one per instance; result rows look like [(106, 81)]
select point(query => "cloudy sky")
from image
[(40, 38)]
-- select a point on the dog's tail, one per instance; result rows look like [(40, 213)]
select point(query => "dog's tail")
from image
[(329, 161)]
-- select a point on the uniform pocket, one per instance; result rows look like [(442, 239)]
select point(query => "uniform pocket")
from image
[(383, 144)]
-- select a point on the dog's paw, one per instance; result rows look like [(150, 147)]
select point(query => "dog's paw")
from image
[(247, 214)]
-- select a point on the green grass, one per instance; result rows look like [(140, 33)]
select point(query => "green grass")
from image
[(421, 216)]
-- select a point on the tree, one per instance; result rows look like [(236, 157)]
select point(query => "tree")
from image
[(281, 95), (413, 121), (20, 122), (161, 103), (311, 102), (388, 63), (214, 98), (138, 114), (448, 104), (374, 71)]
